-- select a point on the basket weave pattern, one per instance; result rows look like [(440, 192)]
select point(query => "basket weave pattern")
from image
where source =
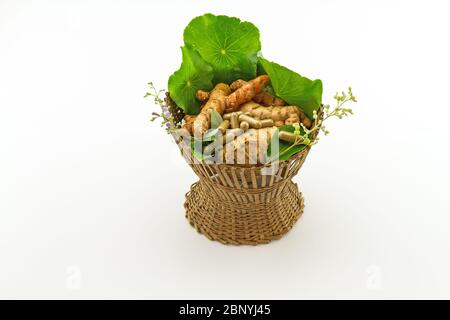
[(243, 205)]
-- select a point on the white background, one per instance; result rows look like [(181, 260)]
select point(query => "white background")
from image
[(91, 192)]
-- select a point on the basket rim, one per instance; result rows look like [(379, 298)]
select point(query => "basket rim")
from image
[(254, 166)]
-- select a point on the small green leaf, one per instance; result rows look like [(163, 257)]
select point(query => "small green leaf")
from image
[(292, 87), (216, 119), (286, 149), (228, 44), (197, 149), (194, 74)]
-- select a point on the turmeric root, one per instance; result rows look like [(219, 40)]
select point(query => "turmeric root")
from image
[(216, 101), (246, 92), (237, 84), (202, 96), (279, 114), (264, 98)]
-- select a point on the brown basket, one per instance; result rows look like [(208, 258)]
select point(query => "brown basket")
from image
[(238, 205), (243, 205)]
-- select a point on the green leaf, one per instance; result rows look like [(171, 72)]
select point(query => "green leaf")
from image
[(216, 119), (292, 87), (286, 149), (197, 149), (228, 44), (194, 74), (271, 147)]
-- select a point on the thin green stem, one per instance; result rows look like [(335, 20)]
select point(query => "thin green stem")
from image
[(338, 111)]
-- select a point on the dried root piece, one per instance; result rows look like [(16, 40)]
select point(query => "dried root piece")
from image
[(249, 148), (216, 101), (246, 92), (237, 84), (202, 96), (281, 115), (189, 122), (267, 99), (264, 98)]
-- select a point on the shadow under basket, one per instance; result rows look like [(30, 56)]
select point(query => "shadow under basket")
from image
[(245, 205)]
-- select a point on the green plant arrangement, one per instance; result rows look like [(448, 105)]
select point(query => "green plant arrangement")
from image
[(234, 114)]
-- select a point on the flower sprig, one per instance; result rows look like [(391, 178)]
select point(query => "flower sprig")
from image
[(338, 112), (305, 136), (165, 115)]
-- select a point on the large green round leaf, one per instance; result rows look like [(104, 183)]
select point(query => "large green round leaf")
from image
[(292, 87), (228, 44), (194, 74)]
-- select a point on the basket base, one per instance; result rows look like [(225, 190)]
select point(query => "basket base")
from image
[(243, 223)]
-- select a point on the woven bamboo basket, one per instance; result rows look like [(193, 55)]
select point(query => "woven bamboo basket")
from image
[(245, 205)]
